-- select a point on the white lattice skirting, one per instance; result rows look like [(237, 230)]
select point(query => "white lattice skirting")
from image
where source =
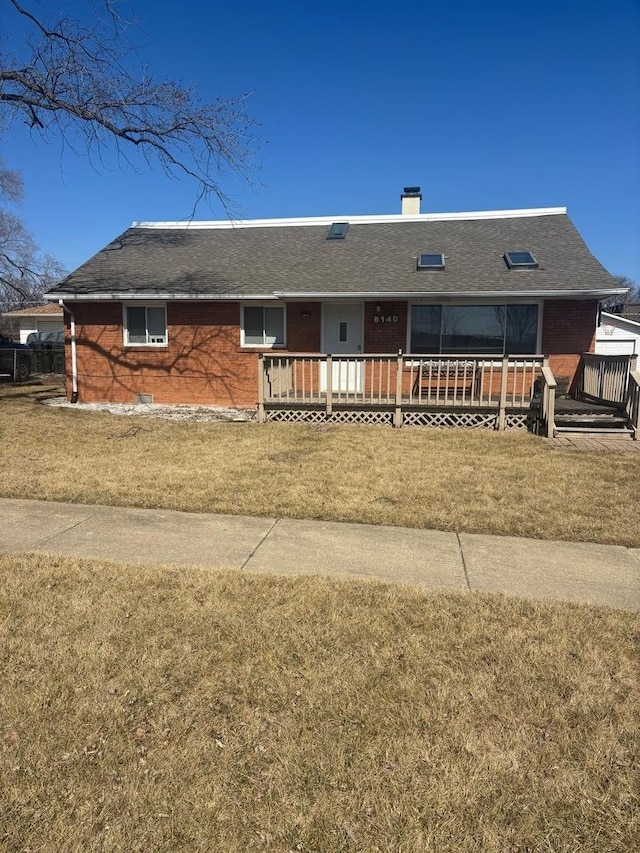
[(311, 416), (520, 420), (473, 420), (468, 420)]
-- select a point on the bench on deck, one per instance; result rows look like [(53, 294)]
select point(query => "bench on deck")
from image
[(451, 377)]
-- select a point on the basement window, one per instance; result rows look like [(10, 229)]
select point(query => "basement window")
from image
[(431, 261), (262, 326), (520, 261), (145, 325), (338, 231)]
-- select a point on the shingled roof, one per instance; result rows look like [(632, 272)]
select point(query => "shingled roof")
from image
[(48, 310), (293, 258)]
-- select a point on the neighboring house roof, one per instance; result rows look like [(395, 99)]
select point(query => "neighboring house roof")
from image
[(378, 256), (620, 321), (48, 310)]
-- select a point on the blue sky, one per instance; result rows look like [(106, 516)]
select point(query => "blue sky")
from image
[(484, 105)]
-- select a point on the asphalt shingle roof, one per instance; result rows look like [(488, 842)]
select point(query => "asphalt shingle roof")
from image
[(374, 257), (36, 311)]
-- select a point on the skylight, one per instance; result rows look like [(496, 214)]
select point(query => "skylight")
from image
[(431, 261), (520, 261), (338, 231)]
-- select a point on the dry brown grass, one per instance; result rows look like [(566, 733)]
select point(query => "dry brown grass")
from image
[(472, 481), (146, 709)]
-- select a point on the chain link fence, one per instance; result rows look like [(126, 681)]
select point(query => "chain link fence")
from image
[(44, 355)]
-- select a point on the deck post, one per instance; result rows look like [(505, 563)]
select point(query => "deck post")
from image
[(261, 369), (397, 417), (633, 396), (551, 413), (549, 398), (329, 400), (502, 412)]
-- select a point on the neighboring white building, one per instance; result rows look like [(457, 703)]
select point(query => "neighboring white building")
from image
[(42, 318), (617, 335)]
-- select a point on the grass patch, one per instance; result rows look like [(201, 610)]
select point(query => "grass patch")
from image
[(149, 709), (460, 480)]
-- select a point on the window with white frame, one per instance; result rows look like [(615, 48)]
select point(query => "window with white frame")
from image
[(477, 329), (262, 325), (145, 325)]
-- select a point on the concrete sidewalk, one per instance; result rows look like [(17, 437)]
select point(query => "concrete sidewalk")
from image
[(598, 574)]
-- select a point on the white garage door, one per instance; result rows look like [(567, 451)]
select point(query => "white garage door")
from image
[(612, 346), (50, 325)]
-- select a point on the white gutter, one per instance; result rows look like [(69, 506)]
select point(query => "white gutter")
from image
[(138, 296), (370, 295), (74, 361)]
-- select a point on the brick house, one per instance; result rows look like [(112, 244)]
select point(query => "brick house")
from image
[(180, 311)]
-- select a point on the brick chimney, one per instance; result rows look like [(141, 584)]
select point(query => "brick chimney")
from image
[(411, 198)]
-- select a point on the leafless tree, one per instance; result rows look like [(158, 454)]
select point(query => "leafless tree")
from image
[(87, 83), (633, 292), (618, 304), (25, 272)]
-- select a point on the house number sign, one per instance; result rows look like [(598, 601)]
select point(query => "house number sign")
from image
[(382, 318)]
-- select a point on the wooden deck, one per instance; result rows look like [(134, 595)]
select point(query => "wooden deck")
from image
[(510, 392), (451, 390)]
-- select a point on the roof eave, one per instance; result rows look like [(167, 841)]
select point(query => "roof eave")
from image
[(107, 296), (599, 293), (28, 316), (141, 296)]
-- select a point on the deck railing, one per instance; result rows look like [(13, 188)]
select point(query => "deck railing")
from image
[(399, 381), (632, 401), (603, 378), (547, 400)]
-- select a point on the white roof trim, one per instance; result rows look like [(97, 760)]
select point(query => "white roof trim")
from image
[(372, 295), (618, 318), (354, 220), (450, 294), (141, 296)]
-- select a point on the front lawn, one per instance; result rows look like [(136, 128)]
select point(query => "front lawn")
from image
[(161, 709), (472, 481)]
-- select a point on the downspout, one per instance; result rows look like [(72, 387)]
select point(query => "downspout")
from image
[(74, 362)]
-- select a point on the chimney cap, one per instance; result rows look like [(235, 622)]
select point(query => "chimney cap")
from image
[(412, 191)]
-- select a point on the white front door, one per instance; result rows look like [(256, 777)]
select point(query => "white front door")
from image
[(342, 335)]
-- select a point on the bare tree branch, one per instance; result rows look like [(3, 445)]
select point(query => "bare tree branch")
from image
[(77, 79), (25, 272)]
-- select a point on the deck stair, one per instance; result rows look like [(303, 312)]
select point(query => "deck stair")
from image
[(590, 419)]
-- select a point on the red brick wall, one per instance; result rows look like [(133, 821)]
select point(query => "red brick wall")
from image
[(195, 367), (568, 329), (204, 362), (381, 336), (303, 326)]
